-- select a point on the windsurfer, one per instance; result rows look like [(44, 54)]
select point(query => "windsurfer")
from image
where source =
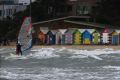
[(18, 49)]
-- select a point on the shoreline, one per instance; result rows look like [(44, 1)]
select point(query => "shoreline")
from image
[(83, 47)]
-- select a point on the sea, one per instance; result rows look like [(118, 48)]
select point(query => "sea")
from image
[(60, 64)]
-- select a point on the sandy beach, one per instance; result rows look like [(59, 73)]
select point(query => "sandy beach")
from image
[(83, 47)]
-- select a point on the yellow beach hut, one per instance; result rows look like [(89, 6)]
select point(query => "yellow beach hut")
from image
[(77, 37), (96, 37)]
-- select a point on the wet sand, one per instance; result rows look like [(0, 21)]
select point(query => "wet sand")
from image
[(83, 47)]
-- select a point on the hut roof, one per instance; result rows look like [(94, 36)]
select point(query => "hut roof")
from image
[(70, 30), (54, 31), (81, 30), (90, 30), (44, 29), (62, 30), (118, 31)]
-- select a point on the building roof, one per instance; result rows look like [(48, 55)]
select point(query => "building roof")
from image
[(63, 18), (85, 23)]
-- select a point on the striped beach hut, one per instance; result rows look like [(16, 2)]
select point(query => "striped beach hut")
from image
[(63, 35), (69, 36), (58, 37), (87, 36), (50, 38), (105, 37), (77, 37), (96, 37), (115, 37)]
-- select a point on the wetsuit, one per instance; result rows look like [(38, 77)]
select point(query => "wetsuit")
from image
[(18, 49)]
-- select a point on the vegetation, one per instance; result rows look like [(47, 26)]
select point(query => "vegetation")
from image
[(107, 11)]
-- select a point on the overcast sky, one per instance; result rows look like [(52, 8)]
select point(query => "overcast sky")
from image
[(25, 1)]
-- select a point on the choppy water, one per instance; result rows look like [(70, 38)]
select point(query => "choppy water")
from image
[(60, 64)]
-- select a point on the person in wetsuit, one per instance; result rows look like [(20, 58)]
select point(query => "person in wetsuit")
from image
[(18, 49)]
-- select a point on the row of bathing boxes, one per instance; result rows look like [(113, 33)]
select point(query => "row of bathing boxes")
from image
[(79, 36)]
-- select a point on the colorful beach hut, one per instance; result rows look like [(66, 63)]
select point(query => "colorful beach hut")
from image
[(58, 37), (77, 37), (50, 38), (96, 37), (105, 37), (63, 35), (87, 37), (69, 36), (41, 37), (115, 38)]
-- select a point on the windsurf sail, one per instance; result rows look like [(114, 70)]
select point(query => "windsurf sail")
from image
[(25, 34)]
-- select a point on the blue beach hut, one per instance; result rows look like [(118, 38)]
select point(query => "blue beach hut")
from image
[(115, 38), (50, 38), (86, 37)]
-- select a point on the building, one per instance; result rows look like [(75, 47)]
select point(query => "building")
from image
[(65, 23), (9, 7), (81, 7)]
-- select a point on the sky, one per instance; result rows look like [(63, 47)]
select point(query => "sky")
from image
[(25, 1)]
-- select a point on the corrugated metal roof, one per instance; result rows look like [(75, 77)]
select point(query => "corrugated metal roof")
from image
[(85, 23), (41, 22)]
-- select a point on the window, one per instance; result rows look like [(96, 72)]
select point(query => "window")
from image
[(83, 10)]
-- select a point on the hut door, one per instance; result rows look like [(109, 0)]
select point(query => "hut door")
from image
[(115, 39)]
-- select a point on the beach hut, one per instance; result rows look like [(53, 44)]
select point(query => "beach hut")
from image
[(50, 37), (118, 31), (87, 37), (105, 37), (44, 30), (69, 36), (96, 37), (58, 37), (41, 37), (63, 35), (115, 37), (77, 37)]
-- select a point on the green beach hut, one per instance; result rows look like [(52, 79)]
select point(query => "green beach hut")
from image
[(96, 37), (77, 37)]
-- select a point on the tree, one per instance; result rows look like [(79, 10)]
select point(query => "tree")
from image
[(108, 11), (46, 9)]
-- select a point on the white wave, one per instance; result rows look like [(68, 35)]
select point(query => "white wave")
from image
[(93, 53), (55, 74), (112, 67), (44, 53), (1, 49)]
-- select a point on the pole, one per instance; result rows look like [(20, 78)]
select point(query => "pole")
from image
[(30, 9), (3, 13)]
